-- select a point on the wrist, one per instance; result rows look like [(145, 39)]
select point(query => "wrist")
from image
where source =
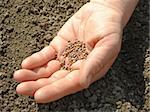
[(124, 7)]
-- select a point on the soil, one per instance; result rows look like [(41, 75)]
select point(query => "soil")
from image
[(26, 26)]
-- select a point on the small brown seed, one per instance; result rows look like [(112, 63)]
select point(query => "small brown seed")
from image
[(74, 51)]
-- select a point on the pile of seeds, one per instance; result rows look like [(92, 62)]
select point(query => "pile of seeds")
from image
[(74, 51)]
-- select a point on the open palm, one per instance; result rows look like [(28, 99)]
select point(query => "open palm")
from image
[(97, 25)]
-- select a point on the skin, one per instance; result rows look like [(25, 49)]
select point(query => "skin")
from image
[(100, 26)]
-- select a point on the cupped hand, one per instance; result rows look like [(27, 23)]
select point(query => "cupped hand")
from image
[(99, 26)]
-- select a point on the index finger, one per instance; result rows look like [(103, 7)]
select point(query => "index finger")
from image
[(45, 55), (40, 58)]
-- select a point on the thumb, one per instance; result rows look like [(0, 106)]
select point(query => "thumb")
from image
[(104, 51)]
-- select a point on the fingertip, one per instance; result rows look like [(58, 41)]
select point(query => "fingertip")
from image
[(39, 97), (77, 65), (54, 63), (36, 97), (26, 88), (20, 88), (16, 75), (25, 63)]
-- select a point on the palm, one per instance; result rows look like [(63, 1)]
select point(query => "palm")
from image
[(99, 27)]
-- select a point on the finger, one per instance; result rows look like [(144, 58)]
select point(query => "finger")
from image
[(40, 58), (59, 89), (104, 51), (42, 72), (46, 71), (77, 65), (58, 75), (59, 44), (30, 87), (24, 75)]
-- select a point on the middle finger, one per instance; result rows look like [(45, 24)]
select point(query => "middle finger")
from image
[(41, 72), (30, 87)]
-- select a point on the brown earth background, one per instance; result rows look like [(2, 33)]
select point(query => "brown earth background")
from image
[(24, 25)]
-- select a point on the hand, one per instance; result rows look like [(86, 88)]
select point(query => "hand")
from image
[(97, 25)]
